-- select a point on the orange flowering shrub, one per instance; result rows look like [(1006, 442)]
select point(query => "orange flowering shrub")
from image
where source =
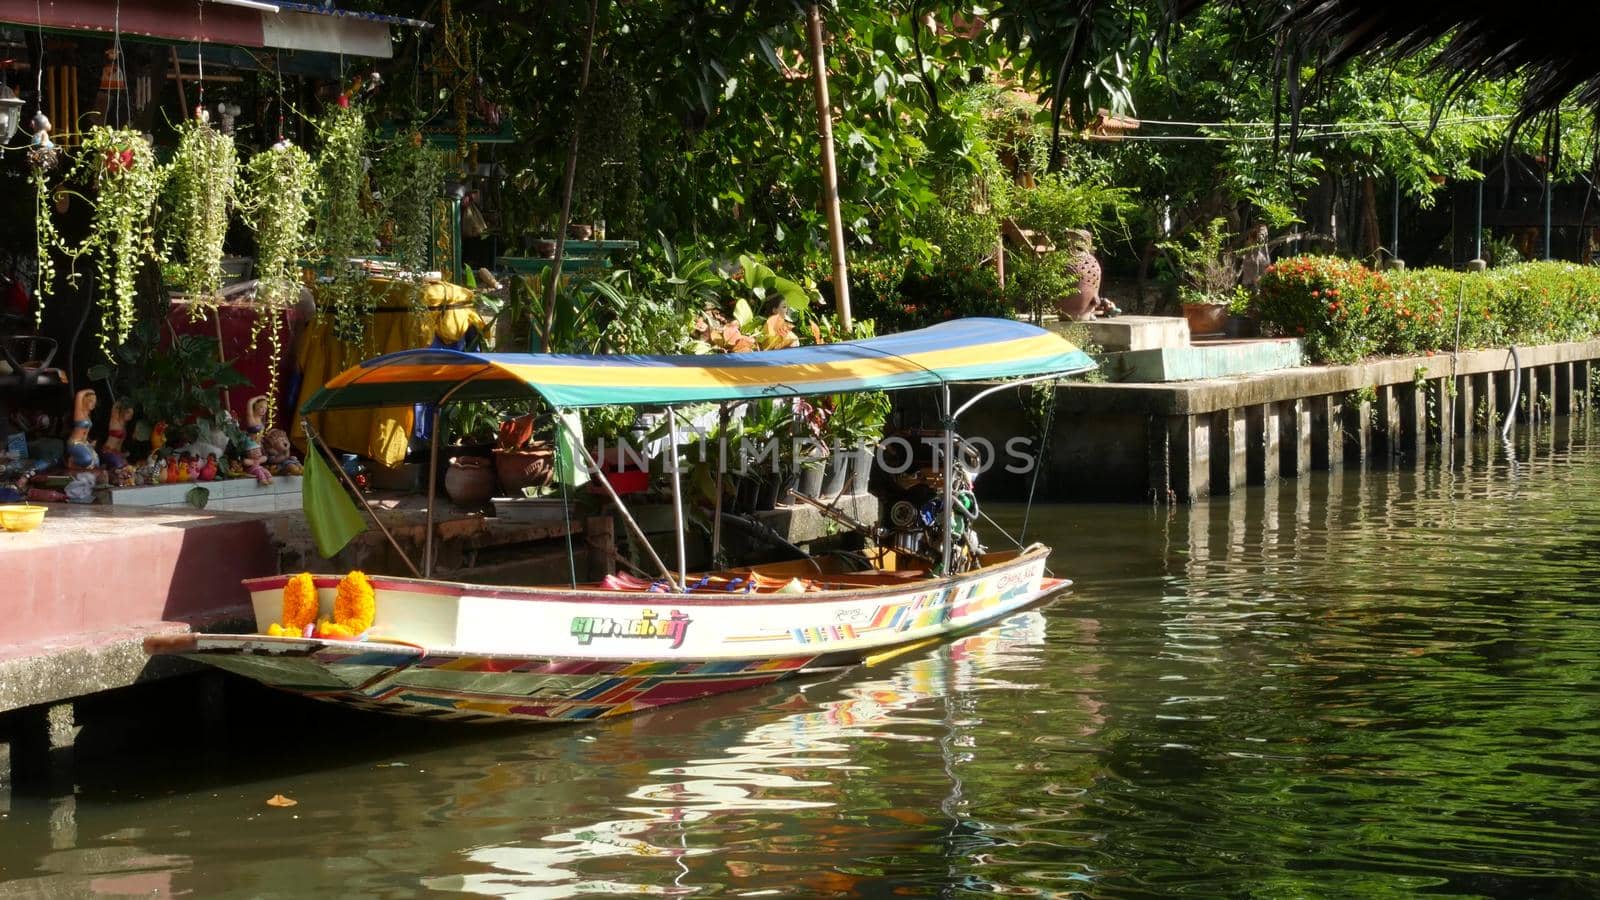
[(299, 607), (1346, 311)]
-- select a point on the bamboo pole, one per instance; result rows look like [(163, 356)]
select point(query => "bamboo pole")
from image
[(830, 174)]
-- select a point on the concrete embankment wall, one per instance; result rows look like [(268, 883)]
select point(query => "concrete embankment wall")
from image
[(1187, 441)]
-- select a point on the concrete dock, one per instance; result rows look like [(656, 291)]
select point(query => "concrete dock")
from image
[(1185, 441)]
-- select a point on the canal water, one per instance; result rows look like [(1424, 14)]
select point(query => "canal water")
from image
[(1374, 683)]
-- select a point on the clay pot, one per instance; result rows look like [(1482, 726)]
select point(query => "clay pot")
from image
[(469, 481), (544, 248), (518, 469), (580, 232), (1081, 303), (1206, 318)]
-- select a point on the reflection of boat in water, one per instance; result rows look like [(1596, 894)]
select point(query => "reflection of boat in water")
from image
[(585, 651), (790, 765)]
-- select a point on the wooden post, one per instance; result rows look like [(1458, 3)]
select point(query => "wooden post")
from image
[(570, 176), (830, 175)]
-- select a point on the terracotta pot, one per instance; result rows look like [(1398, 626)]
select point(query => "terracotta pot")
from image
[(580, 232), (1081, 303), (544, 248), (469, 481), (518, 469), (1206, 318)]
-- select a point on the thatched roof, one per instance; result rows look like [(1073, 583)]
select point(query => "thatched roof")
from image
[(1552, 47)]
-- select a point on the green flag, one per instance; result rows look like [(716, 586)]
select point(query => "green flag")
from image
[(330, 512), (569, 437)]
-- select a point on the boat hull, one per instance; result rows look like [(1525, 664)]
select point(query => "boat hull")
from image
[(564, 656)]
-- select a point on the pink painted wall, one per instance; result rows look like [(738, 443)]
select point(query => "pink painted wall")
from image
[(81, 573)]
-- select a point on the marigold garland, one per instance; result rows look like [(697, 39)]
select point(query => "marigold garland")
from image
[(299, 606), (354, 605)]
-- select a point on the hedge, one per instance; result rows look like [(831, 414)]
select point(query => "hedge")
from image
[(1346, 311)]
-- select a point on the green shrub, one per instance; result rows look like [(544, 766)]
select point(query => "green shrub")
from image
[(1346, 311)]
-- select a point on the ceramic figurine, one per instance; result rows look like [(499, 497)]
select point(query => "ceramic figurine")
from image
[(146, 473), (280, 456), (255, 415), (169, 471), (117, 431), (255, 462), (235, 469), (208, 472), (124, 476), (158, 436), (80, 453)]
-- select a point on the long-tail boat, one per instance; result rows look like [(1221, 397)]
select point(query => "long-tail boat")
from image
[(587, 650)]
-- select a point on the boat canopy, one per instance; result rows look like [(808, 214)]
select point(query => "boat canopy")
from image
[(960, 350)]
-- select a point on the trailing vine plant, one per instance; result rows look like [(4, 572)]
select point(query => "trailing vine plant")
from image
[(280, 195), (346, 228), (121, 165), (202, 181), (47, 239), (408, 179)]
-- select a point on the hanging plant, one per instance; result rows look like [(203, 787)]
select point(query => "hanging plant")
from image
[(346, 229), (280, 193), (408, 179), (121, 166), (202, 181), (47, 240)]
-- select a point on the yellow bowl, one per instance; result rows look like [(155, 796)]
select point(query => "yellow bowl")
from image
[(21, 516)]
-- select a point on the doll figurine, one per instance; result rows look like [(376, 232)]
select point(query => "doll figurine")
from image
[(116, 432), (80, 453), (255, 462), (280, 456)]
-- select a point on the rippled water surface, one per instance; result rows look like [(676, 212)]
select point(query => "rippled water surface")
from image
[(1378, 683)]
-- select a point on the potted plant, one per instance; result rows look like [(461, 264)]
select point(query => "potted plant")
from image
[(471, 429), (523, 458), (1207, 276)]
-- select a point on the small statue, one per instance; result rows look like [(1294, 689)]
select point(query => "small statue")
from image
[(254, 462), (208, 471), (280, 456), (158, 436), (184, 476), (123, 476), (116, 432), (146, 473), (255, 414), (80, 453), (160, 474)]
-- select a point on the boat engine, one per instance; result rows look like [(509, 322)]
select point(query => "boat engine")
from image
[(913, 501)]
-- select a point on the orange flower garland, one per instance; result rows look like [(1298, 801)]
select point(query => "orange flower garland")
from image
[(354, 608), (299, 607)]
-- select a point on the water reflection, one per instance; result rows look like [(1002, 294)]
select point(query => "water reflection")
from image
[(803, 762)]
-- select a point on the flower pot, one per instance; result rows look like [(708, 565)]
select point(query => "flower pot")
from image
[(469, 481), (1242, 327), (861, 463), (544, 248), (518, 469), (580, 232), (1206, 318), (810, 481)]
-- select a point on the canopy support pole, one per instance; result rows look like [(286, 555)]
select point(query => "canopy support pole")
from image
[(948, 512), (627, 517), (433, 487), (317, 445), (830, 171), (722, 471), (677, 496)]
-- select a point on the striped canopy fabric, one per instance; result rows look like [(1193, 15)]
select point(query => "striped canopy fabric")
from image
[(959, 350)]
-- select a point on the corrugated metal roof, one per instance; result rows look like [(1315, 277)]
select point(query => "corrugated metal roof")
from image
[(326, 10)]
